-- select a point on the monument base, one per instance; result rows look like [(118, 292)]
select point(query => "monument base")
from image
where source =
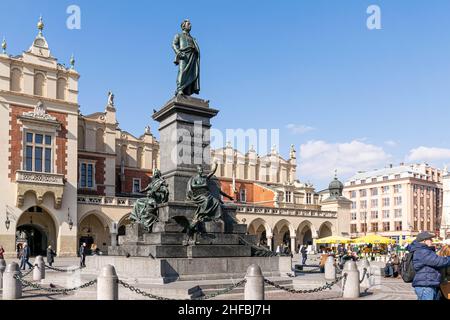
[(161, 271)]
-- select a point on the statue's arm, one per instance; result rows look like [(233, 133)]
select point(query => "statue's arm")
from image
[(226, 195), (176, 44), (211, 174)]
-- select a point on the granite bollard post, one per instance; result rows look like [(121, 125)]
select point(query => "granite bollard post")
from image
[(107, 284), (12, 288), (351, 287), (330, 269), (254, 287), (2, 269), (39, 269)]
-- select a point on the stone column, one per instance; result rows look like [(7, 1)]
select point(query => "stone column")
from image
[(2, 269), (351, 288), (39, 269), (12, 288), (254, 287), (269, 242), (293, 245), (330, 269), (107, 285), (113, 239)]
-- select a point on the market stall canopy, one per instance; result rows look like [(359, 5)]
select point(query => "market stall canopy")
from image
[(373, 239), (334, 239)]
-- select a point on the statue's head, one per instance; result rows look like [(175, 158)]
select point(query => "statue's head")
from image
[(199, 169), (186, 25), (156, 173)]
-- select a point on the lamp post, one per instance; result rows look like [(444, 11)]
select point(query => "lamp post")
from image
[(69, 219), (7, 221)]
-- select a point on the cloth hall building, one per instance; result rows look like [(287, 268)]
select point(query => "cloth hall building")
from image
[(69, 178)]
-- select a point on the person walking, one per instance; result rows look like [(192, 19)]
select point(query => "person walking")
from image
[(427, 265), (83, 252), (304, 252), (26, 252), (50, 256), (2, 251)]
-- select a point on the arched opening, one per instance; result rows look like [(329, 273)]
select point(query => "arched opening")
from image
[(36, 227), (16, 80), (94, 232), (282, 234), (39, 84), (325, 230), (305, 235), (122, 226), (99, 140), (61, 89)]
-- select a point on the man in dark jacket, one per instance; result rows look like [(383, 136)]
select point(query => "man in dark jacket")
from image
[(83, 252), (426, 264)]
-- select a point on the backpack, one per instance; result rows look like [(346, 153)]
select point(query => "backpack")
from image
[(407, 268)]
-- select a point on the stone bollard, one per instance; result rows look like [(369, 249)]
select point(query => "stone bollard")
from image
[(254, 287), (12, 288), (107, 284), (330, 269), (351, 287), (39, 269), (2, 269), (366, 281)]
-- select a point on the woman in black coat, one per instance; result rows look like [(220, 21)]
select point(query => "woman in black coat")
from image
[(50, 256)]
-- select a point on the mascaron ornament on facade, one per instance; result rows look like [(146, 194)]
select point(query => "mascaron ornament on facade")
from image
[(40, 112)]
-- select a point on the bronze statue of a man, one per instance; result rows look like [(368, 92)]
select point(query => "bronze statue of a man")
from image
[(188, 61)]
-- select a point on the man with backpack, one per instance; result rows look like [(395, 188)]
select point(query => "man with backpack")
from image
[(423, 265)]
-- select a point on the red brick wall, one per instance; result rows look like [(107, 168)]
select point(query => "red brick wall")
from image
[(255, 193), (129, 175), (99, 175), (16, 139)]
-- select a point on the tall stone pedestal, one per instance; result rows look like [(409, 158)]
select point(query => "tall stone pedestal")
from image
[(185, 144)]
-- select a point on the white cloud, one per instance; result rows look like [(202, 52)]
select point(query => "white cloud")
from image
[(424, 154), (391, 143), (299, 128), (319, 159)]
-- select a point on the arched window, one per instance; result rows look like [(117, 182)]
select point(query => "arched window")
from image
[(140, 155), (39, 84), (81, 138), (16, 80), (61, 89), (99, 140)]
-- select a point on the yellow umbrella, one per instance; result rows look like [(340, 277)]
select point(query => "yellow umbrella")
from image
[(334, 239), (373, 238)]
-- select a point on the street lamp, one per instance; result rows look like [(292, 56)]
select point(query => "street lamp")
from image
[(69, 219), (7, 222)]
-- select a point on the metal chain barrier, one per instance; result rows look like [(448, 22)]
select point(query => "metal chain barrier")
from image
[(52, 290), (224, 291), (143, 293), (23, 275), (364, 275), (321, 288), (64, 270)]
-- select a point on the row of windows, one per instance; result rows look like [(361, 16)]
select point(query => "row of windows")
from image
[(374, 203), (374, 191), (39, 84), (374, 214), (289, 199), (375, 227), (384, 178)]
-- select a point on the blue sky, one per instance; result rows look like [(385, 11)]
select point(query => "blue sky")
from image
[(347, 97)]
